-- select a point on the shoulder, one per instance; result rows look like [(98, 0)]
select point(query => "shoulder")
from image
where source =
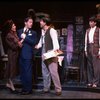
[(87, 30), (97, 28), (19, 30), (33, 32), (52, 29), (9, 36)]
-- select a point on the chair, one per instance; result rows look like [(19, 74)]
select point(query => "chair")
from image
[(73, 70)]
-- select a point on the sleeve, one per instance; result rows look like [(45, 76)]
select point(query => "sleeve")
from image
[(99, 42), (39, 45), (32, 40), (54, 37), (11, 42), (85, 42)]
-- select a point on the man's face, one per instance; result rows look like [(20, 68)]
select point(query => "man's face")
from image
[(29, 23), (42, 23), (92, 23)]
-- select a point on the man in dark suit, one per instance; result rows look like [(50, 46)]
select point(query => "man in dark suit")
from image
[(28, 38)]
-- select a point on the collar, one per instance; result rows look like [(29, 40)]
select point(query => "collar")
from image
[(93, 28), (25, 29)]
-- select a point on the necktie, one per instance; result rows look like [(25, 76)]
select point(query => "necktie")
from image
[(25, 31)]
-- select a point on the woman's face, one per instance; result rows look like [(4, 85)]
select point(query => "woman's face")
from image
[(13, 27)]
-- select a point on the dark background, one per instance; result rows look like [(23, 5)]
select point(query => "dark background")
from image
[(58, 10)]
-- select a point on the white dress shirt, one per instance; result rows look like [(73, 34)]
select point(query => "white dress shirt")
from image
[(41, 41), (25, 29), (91, 35)]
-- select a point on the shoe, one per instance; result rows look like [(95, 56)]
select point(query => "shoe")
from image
[(46, 90), (26, 92), (12, 91), (94, 86), (89, 85), (58, 93)]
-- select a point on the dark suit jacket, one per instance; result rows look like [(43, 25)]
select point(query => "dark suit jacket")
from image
[(28, 44)]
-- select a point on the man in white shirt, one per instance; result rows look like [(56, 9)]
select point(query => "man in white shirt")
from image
[(92, 51), (48, 42)]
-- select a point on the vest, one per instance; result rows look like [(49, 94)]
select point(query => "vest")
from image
[(95, 39), (48, 41), (49, 46)]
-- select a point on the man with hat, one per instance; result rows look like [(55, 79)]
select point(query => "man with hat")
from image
[(92, 51), (49, 42)]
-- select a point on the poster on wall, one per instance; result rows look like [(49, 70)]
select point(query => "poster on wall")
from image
[(79, 19), (58, 32), (79, 29), (64, 31), (62, 42)]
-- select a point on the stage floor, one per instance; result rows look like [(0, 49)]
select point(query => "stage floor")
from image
[(5, 94), (71, 90)]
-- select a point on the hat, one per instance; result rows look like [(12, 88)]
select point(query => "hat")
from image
[(93, 18), (41, 15)]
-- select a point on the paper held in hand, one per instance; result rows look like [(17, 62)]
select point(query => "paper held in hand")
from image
[(51, 54)]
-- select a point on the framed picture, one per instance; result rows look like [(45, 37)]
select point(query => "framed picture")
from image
[(79, 20), (58, 31), (62, 42), (64, 31), (79, 29)]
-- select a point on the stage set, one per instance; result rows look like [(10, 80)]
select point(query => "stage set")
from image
[(70, 19)]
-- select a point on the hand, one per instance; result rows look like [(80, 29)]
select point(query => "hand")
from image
[(22, 40), (36, 47), (99, 53), (20, 44), (23, 36)]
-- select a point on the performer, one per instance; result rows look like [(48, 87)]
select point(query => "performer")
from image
[(28, 39), (92, 51), (13, 45), (49, 41)]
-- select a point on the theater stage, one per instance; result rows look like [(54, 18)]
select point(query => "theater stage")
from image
[(71, 90)]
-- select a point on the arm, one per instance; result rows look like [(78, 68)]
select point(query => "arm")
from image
[(86, 44), (54, 37), (99, 42), (39, 45)]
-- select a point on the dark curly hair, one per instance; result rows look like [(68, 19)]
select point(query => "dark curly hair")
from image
[(47, 20), (8, 25)]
